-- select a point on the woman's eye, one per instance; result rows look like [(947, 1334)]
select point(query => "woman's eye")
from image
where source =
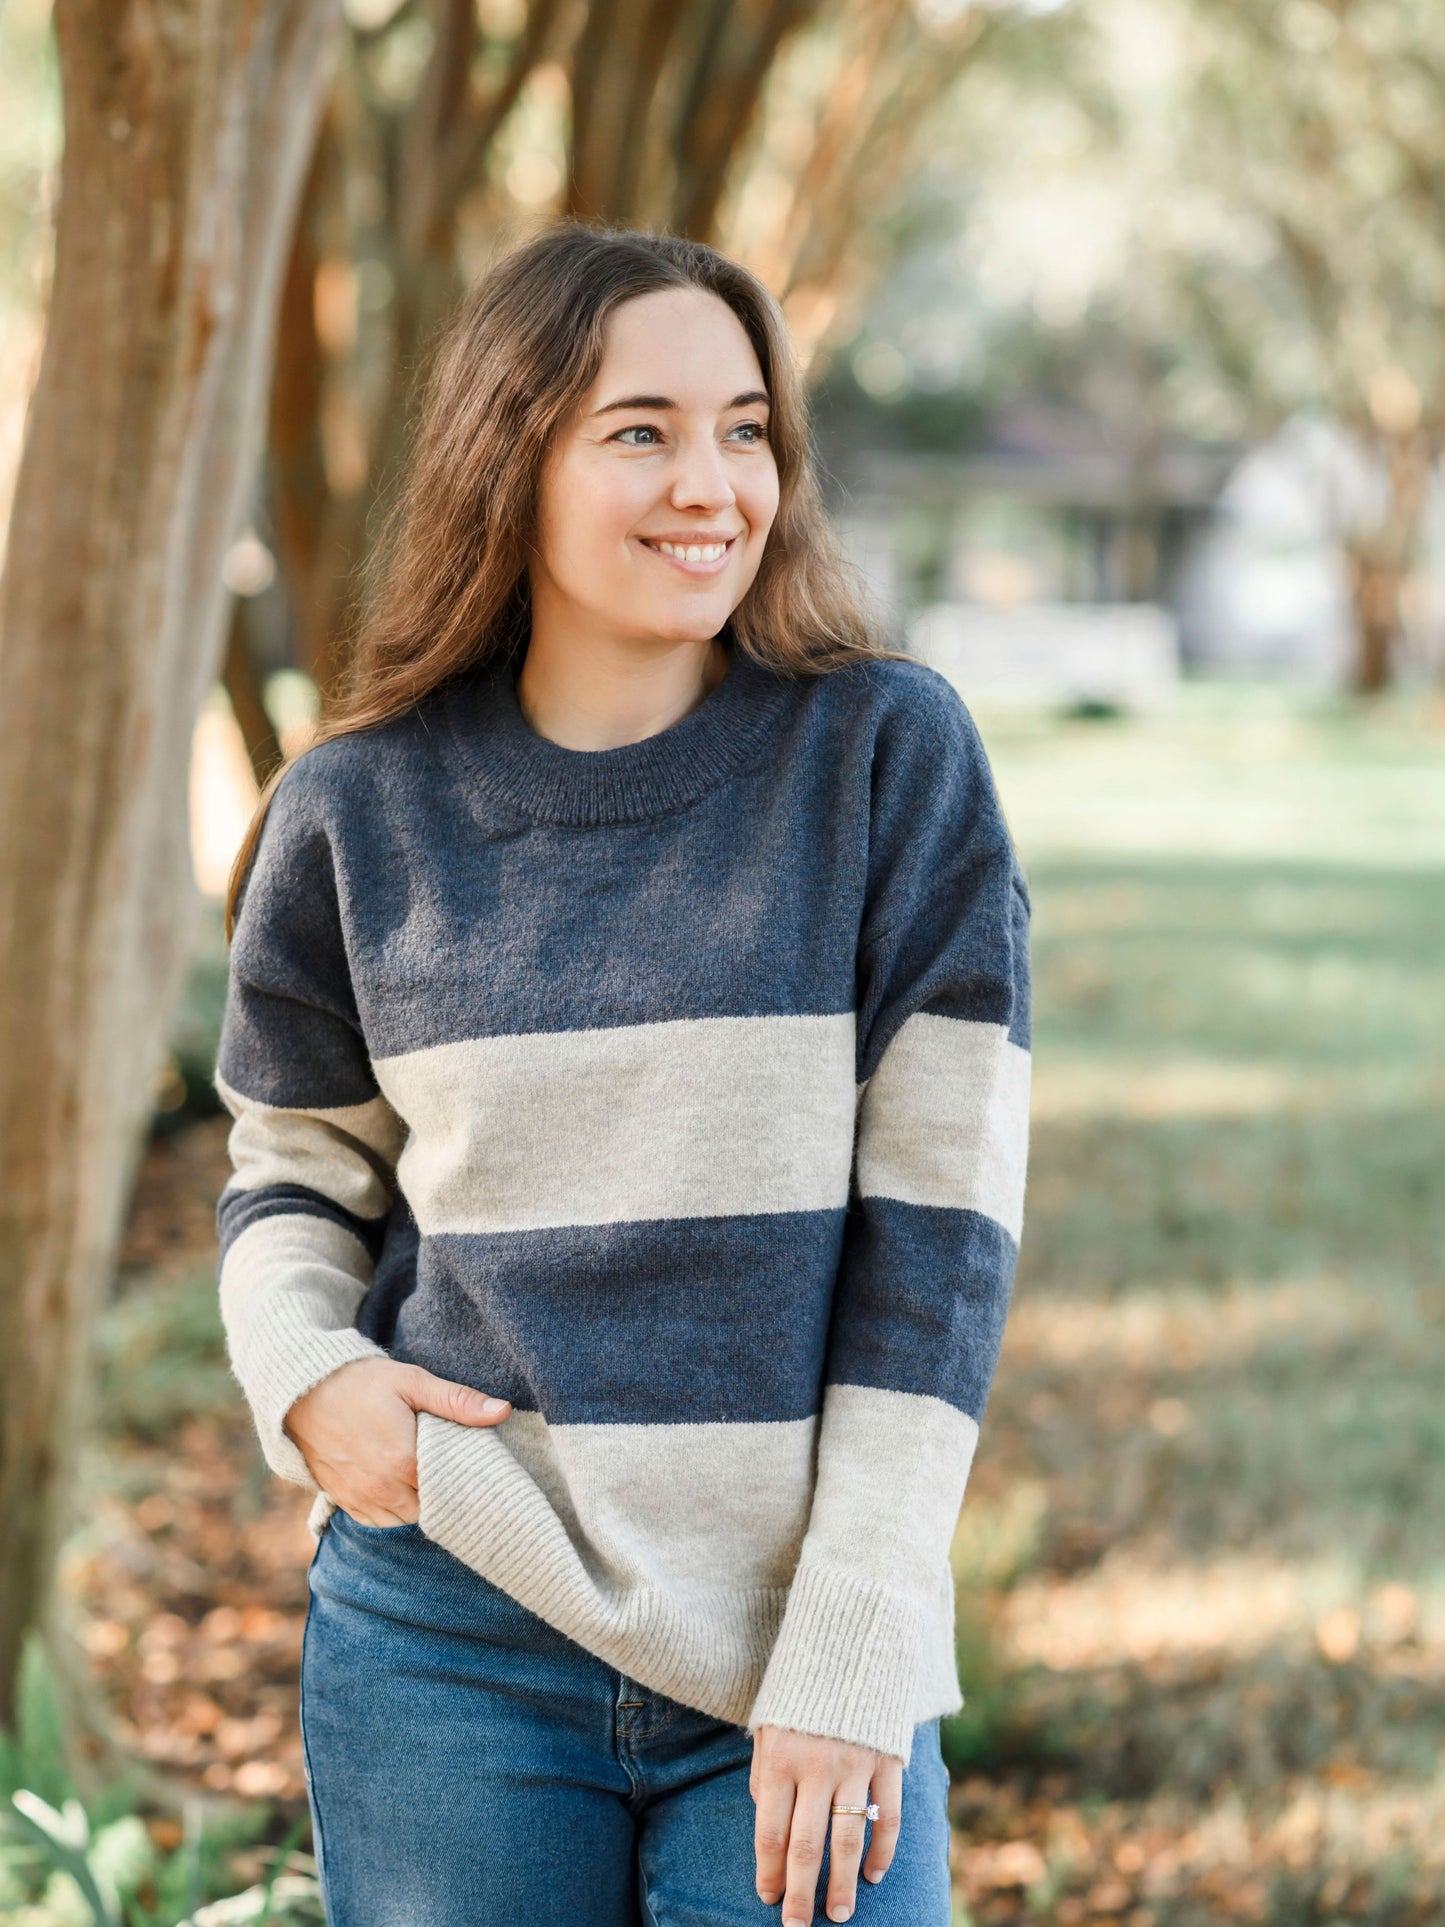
[(753, 432)]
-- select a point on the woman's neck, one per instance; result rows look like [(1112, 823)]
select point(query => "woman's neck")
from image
[(602, 697)]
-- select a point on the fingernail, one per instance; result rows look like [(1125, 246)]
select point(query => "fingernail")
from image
[(494, 1407), (768, 1897), (874, 1877), (841, 1913)]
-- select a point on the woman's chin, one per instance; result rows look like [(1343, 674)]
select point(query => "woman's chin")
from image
[(697, 624)]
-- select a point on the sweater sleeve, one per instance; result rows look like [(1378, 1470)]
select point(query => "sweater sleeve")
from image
[(930, 1239), (314, 1144)]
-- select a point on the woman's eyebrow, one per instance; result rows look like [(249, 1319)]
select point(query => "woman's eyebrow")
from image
[(661, 401)]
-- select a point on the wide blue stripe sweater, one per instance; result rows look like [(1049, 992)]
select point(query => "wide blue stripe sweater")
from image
[(677, 1093)]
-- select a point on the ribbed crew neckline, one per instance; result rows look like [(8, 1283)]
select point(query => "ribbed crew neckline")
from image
[(580, 788)]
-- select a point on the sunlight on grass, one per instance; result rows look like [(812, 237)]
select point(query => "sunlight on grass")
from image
[(1132, 1609), (1215, 1088), (1230, 772)]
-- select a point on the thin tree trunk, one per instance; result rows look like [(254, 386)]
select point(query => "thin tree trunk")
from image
[(431, 161), (720, 98), (1375, 599), (296, 455), (243, 686), (814, 246), (1378, 559), (616, 71), (189, 124)]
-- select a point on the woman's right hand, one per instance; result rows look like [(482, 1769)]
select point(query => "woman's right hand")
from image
[(356, 1430)]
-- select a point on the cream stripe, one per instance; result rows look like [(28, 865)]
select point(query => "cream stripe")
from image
[(892, 1467), (705, 1645), (317, 1263), (708, 1644), (347, 1154), (694, 1118), (866, 1641), (674, 1505), (291, 1284), (683, 1584), (944, 1120)]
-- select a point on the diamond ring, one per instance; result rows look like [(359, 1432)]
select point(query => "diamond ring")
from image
[(869, 1812)]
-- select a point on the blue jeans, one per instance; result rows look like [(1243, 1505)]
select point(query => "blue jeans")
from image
[(469, 1766)]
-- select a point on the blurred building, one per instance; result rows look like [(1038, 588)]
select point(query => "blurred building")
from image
[(1227, 556)]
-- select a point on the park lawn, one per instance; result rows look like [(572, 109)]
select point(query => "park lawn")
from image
[(1202, 1562)]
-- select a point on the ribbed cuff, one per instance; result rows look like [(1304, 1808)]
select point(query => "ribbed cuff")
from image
[(321, 1511), (285, 1377), (845, 1663)]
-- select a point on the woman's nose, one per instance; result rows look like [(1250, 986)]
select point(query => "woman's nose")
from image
[(701, 479)]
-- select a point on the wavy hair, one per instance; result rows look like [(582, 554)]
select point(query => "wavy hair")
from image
[(446, 587)]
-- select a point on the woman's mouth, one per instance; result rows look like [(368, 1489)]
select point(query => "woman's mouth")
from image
[(693, 558)]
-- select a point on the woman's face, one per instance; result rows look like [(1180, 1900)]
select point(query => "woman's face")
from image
[(656, 500)]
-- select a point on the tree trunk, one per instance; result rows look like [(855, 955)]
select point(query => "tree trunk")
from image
[(1375, 598), (243, 686), (430, 161), (189, 124), (1378, 558)]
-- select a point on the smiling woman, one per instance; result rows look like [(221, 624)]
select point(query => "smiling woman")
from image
[(654, 511), (628, 1041)]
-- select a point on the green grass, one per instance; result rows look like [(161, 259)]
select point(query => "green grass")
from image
[(1221, 1384)]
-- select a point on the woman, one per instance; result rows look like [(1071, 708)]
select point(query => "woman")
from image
[(627, 1038)]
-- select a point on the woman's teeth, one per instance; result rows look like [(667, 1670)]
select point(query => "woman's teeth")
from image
[(694, 552)]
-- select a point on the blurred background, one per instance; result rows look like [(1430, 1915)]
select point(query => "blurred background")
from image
[(1123, 325)]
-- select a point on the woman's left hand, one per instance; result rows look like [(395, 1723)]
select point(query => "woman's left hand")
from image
[(797, 1779)]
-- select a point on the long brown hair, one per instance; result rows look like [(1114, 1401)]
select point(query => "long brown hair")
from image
[(446, 586)]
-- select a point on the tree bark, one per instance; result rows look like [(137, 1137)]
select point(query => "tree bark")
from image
[(430, 160), (719, 99), (815, 248), (1378, 558), (617, 68), (1374, 580), (243, 686), (189, 124)]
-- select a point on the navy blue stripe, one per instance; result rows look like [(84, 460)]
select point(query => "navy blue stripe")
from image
[(394, 1277), (1020, 914), (658, 1322), (291, 1056), (237, 1209), (921, 1300), (550, 930), (973, 967), (292, 1035), (460, 922)]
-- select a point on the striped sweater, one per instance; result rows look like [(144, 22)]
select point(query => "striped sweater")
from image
[(678, 1093)]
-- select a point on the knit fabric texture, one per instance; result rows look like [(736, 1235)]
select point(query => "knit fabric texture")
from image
[(678, 1093)]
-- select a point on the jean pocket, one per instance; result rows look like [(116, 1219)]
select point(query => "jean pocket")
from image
[(342, 1516)]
